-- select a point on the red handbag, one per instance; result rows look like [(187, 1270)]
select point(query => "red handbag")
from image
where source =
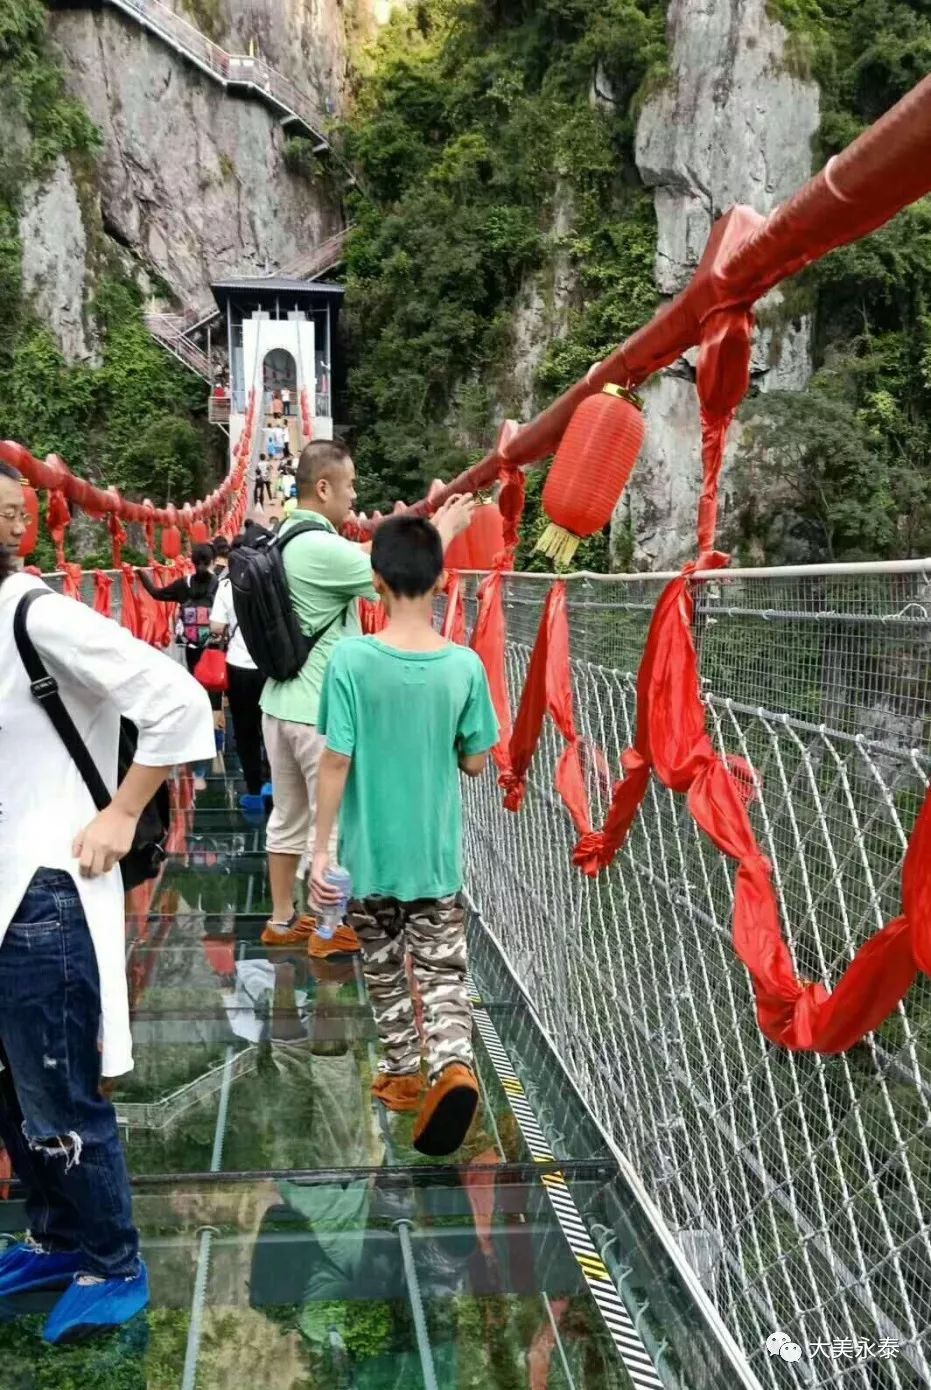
[(211, 670)]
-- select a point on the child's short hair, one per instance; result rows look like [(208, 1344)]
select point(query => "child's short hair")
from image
[(408, 555)]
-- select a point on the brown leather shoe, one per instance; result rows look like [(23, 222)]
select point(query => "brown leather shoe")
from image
[(293, 933), (447, 1112), (401, 1093), (343, 942)]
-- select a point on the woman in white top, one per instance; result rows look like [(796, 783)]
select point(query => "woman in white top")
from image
[(245, 690), (64, 1014)]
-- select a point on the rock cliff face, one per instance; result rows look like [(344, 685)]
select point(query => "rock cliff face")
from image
[(54, 266), (733, 125), (190, 179)]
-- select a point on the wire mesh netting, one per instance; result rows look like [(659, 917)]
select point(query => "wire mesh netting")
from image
[(797, 1186)]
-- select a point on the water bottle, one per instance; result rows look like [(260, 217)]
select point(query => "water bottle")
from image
[(331, 914)]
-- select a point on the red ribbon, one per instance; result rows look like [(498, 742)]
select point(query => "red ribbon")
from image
[(489, 640), (103, 594), (131, 618), (117, 537), (373, 615), (58, 519), (72, 586), (454, 627)]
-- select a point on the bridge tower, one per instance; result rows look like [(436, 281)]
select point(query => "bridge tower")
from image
[(282, 334)]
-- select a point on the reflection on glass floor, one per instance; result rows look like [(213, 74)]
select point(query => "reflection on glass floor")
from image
[(294, 1237)]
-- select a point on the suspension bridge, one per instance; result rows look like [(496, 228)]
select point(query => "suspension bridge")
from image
[(700, 942)]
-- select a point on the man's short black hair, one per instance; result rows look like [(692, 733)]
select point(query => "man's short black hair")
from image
[(408, 555), (318, 460)]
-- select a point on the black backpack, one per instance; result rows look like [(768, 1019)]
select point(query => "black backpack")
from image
[(263, 605), (147, 852)]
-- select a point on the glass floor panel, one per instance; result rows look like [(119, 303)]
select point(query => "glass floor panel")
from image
[(298, 1283), (294, 1236)]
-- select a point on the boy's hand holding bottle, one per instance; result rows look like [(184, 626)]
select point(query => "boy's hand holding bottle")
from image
[(330, 891)]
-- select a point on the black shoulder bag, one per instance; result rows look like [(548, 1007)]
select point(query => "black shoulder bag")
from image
[(147, 852)]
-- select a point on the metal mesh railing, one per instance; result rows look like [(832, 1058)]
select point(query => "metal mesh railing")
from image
[(798, 1186)]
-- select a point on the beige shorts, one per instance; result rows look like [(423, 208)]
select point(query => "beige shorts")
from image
[(294, 752)]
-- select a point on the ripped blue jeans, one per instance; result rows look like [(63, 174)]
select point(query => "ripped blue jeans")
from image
[(60, 1131)]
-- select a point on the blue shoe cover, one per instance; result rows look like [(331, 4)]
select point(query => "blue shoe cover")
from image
[(252, 805), (268, 792), (85, 1309), (24, 1269)]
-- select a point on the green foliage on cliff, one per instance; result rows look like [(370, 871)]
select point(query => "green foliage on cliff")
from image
[(855, 450), (33, 90), (134, 417), (485, 161)]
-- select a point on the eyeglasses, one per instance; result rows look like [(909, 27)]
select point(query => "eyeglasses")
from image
[(15, 514)]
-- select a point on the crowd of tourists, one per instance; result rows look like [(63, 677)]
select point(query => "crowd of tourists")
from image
[(363, 804)]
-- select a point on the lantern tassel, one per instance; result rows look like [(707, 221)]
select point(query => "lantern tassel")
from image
[(559, 544)]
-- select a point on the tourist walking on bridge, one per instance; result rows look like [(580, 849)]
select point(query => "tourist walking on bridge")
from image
[(261, 482), (245, 691), (402, 714), (62, 945), (326, 576)]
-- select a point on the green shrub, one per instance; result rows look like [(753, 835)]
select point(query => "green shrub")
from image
[(855, 450)]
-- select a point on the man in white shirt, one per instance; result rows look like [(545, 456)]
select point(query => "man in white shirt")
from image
[(286, 400), (64, 1014)]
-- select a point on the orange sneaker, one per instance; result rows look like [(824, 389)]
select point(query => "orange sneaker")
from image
[(400, 1093), (343, 942), (331, 970), (293, 933), (447, 1112)]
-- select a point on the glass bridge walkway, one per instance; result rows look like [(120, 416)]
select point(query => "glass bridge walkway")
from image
[(294, 1237)]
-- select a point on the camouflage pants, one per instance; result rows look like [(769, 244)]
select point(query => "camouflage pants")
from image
[(433, 931)]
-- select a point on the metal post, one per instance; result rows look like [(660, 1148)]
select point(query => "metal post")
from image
[(195, 1327), (403, 1228), (430, 1381)]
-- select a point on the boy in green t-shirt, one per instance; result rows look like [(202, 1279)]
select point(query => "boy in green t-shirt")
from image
[(403, 714)]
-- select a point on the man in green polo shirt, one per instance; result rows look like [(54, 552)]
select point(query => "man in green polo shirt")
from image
[(327, 575)]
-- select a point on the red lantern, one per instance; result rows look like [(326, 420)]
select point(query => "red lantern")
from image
[(595, 458), (31, 505), (199, 533), (171, 542)]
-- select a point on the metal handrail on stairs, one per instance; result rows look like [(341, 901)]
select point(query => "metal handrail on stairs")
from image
[(230, 69), (319, 259), (166, 329)]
